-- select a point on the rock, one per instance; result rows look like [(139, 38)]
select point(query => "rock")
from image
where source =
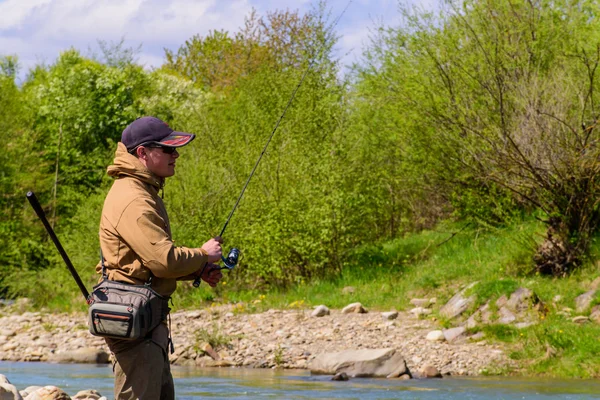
[(89, 394), (9, 392), (208, 349), (522, 325), (454, 334), (360, 363), (581, 319), (28, 390), (424, 303), (340, 376), (583, 301), (595, 314), (458, 304), (483, 315), (506, 316), (429, 371), (595, 285), (349, 290), (48, 393), (389, 315), (435, 336), (195, 314), (354, 308), (521, 300), (86, 355), (420, 311), (320, 311), (10, 346)]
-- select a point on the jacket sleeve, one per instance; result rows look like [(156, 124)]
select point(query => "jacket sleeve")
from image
[(146, 234)]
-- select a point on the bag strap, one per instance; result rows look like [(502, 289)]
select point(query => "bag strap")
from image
[(103, 266), (105, 276)]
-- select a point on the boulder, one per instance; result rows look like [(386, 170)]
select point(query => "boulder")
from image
[(506, 316), (435, 336), (389, 315), (340, 376), (424, 303), (581, 319), (458, 304), (360, 363), (28, 390), (420, 311), (429, 371), (483, 315), (48, 393), (9, 392), (454, 334), (521, 300), (595, 285), (320, 311), (356, 308), (89, 394), (583, 301), (595, 314)]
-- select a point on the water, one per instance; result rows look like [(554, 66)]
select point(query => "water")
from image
[(240, 383)]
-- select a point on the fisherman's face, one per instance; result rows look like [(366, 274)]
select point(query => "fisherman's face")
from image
[(160, 160)]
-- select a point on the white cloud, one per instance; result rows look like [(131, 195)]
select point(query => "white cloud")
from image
[(14, 12), (40, 29)]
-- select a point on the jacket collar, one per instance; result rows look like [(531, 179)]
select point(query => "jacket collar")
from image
[(126, 164)]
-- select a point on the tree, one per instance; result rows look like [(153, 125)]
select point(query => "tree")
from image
[(281, 40), (504, 94)]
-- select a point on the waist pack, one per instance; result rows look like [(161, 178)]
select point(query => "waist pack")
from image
[(124, 311)]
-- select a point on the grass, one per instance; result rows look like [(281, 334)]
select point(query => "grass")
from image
[(215, 338)]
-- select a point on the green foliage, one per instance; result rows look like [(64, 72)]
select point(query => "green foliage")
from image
[(61, 126), (555, 347), (214, 337), (493, 100)]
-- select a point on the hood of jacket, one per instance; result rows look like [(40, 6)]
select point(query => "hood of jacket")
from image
[(126, 164)]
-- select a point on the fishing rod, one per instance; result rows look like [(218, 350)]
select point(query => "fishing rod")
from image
[(42, 216), (232, 258)]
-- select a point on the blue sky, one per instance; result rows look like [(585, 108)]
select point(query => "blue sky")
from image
[(38, 30)]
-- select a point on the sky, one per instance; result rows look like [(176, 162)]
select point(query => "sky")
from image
[(38, 30)]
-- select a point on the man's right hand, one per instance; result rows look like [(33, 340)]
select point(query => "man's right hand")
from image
[(213, 249)]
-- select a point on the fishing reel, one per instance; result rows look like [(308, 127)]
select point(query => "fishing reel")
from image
[(232, 259), (229, 263)]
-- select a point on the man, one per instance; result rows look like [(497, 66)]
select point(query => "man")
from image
[(136, 245)]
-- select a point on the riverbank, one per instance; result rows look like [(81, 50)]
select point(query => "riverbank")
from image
[(222, 336)]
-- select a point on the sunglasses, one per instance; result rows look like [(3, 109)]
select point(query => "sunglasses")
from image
[(166, 150)]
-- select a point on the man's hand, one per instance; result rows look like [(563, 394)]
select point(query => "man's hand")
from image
[(212, 274), (213, 249)]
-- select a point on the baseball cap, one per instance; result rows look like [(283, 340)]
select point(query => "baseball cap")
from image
[(151, 130)]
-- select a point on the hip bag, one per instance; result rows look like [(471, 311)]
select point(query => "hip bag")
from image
[(124, 311)]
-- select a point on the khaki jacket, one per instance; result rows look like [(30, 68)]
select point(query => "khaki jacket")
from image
[(135, 235)]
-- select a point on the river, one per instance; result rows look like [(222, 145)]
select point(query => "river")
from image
[(241, 383)]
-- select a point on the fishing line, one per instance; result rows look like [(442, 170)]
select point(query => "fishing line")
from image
[(233, 256)]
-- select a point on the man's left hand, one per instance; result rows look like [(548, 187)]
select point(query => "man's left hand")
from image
[(212, 274)]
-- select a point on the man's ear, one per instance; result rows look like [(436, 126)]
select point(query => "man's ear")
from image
[(141, 152)]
